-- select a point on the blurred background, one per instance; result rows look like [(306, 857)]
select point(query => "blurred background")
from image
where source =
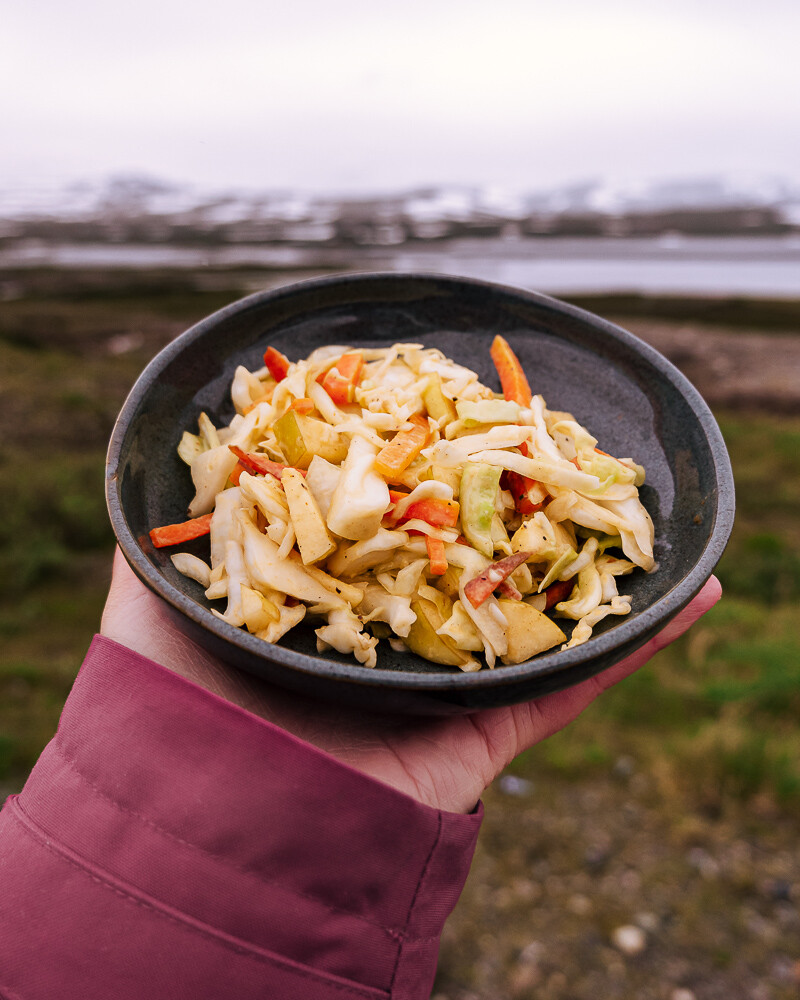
[(640, 160)]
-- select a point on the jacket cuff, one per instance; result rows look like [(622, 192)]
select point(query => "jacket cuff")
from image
[(191, 840)]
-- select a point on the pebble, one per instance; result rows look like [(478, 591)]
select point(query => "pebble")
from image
[(123, 343), (579, 904), (596, 856), (682, 994), (703, 862), (628, 939), (510, 784), (777, 888), (624, 767), (532, 953), (784, 970), (648, 921), (630, 881)]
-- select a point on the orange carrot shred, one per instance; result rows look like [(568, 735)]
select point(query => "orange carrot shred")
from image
[(276, 363), (303, 406), (340, 381), (482, 586), (558, 591), (434, 510), (175, 534), (404, 447), (258, 465), (436, 555), (512, 377), (521, 488)]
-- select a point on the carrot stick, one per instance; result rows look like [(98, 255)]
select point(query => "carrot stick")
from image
[(258, 465), (436, 555), (524, 490), (303, 406), (557, 592), (484, 584), (277, 364), (404, 447), (175, 534), (440, 513), (512, 377), (340, 381)]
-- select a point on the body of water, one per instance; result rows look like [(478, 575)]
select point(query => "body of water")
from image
[(667, 265), (751, 267)]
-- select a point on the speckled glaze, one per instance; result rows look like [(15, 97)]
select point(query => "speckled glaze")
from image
[(630, 397)]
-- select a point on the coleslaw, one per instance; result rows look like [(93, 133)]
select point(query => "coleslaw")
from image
[(386, 494)]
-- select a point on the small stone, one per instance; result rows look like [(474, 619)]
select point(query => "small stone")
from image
[(648, 922), (783, 969), (682, 994), (523, 979), (123, 343), (703, 862), (630, 881), (510, 784), (525, 890), (778, 889), (629, 939), (786, 914), (596, 856), (579, 904), (532, 953), (624, 767)]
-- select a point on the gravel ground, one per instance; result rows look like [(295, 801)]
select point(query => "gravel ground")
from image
[(597, 890)]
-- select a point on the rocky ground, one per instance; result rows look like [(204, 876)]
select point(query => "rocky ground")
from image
[(591, 890)]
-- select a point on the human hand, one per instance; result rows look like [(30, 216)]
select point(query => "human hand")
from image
[(443, 762)]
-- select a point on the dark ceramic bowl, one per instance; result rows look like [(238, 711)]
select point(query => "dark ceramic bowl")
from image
[(633, 400)]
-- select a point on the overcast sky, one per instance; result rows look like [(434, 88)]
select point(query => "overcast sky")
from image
[(359, 94)]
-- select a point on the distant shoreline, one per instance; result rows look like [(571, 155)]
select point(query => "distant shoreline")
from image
[(753, 267)]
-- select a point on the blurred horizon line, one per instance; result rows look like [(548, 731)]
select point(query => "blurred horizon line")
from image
[(148, 192)]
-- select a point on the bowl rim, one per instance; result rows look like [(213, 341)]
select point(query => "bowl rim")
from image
[(629, 632)]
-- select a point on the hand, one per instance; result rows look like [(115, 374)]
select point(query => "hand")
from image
[(445, 763)]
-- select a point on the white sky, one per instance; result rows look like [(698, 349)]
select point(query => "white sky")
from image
[(359, 94)]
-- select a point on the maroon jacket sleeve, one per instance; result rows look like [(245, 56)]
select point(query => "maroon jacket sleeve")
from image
[(169, 844)]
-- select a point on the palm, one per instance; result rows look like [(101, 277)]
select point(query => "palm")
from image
[(445, 763)]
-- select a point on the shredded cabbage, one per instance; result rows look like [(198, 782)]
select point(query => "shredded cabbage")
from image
[(392, 543)]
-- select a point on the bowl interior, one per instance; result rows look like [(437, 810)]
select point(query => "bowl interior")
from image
[(629, 397)]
